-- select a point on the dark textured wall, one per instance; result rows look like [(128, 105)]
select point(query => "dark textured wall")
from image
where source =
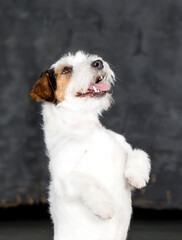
[(141, 39)]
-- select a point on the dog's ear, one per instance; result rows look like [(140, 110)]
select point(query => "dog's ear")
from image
[(45, 87)]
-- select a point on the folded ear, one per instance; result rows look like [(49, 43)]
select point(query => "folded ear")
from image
[(45, 87)]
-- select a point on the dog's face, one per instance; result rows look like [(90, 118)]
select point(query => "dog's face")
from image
[(82, 78)]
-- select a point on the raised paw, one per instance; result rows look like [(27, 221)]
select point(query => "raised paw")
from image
[(134, 180), (138, 169)]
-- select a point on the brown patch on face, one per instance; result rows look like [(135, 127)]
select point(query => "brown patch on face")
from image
[(45, 87), (63, 80), (52, 85)]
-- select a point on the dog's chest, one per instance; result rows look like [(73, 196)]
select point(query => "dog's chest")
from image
[(98, 155), (103, 158)]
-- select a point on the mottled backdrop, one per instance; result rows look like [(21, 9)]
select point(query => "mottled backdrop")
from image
[(143, 42)]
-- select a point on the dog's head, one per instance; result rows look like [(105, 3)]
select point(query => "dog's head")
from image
[(81, 79)]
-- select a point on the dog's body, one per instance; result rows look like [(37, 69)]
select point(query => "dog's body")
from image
[(92, 169)]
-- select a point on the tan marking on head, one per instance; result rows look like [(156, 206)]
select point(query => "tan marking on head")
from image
[(52, 85), (43, 90), (63, 81)]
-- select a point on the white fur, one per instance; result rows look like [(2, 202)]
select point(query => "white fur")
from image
[(91, 167)]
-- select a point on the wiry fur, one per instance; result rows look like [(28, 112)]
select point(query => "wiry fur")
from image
[(92, 168)]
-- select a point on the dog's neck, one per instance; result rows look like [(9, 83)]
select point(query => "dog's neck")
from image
[(68, 122)]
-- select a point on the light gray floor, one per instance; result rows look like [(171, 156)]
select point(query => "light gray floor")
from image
[(139, 230)]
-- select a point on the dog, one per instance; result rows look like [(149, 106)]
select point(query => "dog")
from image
[(92, 169)]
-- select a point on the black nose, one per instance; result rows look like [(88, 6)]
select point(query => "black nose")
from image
[(98, 64)]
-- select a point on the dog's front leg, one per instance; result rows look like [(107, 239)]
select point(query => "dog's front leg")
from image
[(137, 168), (93, 195)]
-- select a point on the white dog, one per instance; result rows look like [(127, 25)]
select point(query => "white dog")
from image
[(92, 168)]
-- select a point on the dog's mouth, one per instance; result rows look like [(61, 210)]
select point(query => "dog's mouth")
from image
[(96, 89)]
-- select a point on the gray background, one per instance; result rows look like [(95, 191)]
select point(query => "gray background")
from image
[(143, 42)]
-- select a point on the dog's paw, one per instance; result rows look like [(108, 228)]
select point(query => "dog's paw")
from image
[(138, 169), (134, 179)]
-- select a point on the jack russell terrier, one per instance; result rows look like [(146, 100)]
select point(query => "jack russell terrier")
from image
[(93, 170)]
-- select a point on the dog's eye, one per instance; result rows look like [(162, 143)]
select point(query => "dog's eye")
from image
[(67, 70)]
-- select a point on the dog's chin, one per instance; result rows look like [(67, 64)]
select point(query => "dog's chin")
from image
[(101, 103), (94, 104)]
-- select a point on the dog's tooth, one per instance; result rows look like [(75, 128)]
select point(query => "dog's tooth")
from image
[(95, 90)]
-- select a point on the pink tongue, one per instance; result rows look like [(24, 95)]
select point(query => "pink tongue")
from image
[(99, 86)]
